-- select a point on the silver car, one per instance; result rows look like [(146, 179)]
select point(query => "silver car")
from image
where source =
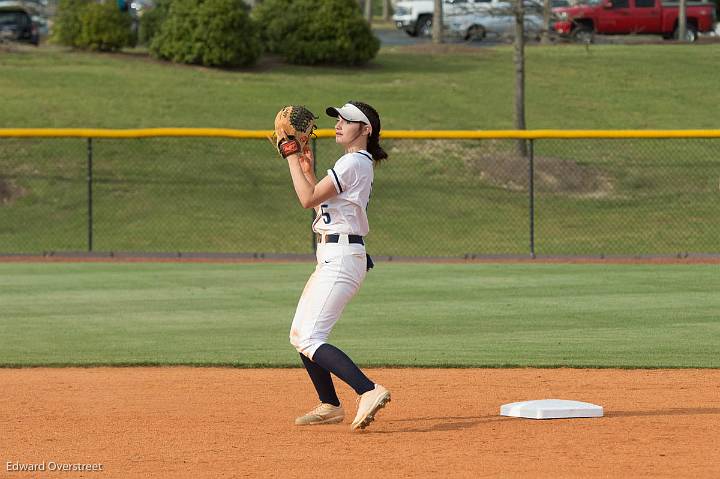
[(498, 21)]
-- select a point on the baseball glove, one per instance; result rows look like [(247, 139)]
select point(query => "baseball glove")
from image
[(294, 125)]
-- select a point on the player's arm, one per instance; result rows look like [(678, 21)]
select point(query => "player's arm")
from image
[(310, 195)]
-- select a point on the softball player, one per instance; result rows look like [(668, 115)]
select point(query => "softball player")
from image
[(341, 200)]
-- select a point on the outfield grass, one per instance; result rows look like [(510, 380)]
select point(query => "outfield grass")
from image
[(168, 195), (222, 196), (490, 315)]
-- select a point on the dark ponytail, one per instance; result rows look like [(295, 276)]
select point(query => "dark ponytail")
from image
[(373, 144)]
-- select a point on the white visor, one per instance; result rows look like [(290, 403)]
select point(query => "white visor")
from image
[(348, 112)]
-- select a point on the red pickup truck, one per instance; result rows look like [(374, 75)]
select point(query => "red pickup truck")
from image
[(617, 17)]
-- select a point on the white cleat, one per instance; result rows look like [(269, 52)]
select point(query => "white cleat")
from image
[(323, 413), (368, 405)]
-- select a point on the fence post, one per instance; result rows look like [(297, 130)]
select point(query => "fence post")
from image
[(531, 195), (90, 192), (312, 234)]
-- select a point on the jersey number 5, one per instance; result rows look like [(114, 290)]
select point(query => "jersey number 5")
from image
[(325, 215)]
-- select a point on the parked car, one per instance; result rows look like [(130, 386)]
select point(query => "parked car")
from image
[(618, 17), (17, 24), (415, 16), (499, 21)]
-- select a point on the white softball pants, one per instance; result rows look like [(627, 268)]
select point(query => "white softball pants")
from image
[(340, 270)]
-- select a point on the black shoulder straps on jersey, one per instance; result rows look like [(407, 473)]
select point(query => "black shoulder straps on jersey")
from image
[(366, 155)]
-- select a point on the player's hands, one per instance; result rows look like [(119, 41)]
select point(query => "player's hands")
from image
[(307, 161)]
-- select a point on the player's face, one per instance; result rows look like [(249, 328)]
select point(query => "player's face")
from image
[(348, 132)]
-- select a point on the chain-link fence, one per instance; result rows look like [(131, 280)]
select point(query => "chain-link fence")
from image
[(443, 197)]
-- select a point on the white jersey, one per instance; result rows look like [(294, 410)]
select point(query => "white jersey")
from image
[(346, 213)]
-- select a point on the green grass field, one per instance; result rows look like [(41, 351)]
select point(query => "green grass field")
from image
[(494, 315), (607, 87), (660, 197)]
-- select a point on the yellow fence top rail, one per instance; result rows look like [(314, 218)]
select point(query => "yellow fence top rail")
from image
[(328, 133)]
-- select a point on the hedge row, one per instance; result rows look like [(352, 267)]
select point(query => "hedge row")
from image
[(225, 33)]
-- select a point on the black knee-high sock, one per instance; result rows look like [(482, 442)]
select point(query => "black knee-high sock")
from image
[(338, 363), (322, 381)]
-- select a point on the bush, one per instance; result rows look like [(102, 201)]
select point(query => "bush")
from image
[(105, 28), (310, 32), (87, 24), (151, 21), (68, 25), (207, 32), (270, 15)]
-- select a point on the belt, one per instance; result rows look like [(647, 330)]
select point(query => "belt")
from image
[(335, 238)]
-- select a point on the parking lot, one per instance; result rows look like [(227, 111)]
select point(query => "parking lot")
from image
[(391, 36)]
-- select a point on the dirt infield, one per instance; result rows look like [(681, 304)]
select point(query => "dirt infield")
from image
[(196, 422)]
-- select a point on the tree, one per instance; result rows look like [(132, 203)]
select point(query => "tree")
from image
[(682, 21), (437, 23), (519, 60), (387, 8), (546, 21)]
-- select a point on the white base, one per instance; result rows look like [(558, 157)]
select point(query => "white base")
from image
[(551, 409)]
